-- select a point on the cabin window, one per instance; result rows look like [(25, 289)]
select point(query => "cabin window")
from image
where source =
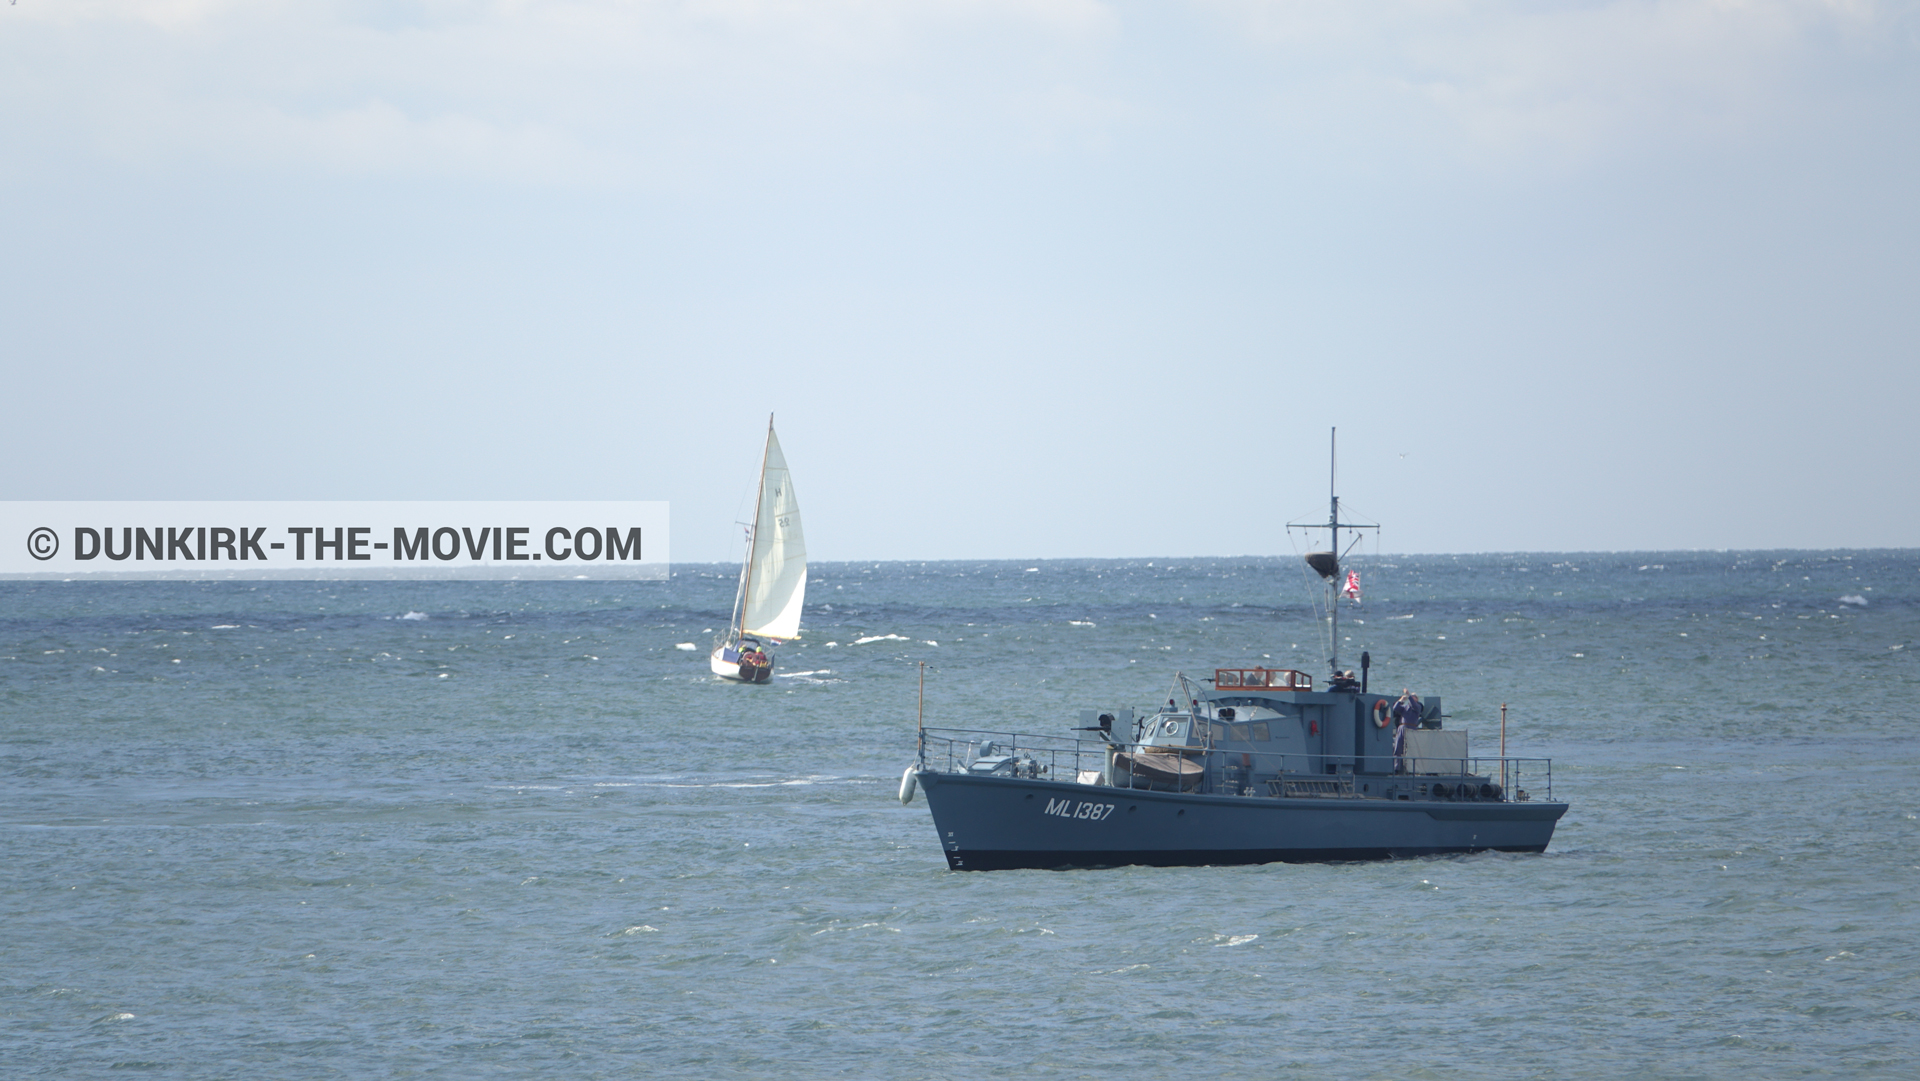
[(1241, 733), (1249, 732)]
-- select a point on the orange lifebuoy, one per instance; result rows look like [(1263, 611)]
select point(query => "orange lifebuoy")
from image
[(1381, 711)]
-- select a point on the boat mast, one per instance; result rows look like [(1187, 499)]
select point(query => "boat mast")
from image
[(753, 539), (1327, 564), (1333, 536)]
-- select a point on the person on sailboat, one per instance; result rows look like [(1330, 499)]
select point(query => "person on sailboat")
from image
[(1409, 712)]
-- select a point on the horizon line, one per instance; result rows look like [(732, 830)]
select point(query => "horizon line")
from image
[(1395, 555)]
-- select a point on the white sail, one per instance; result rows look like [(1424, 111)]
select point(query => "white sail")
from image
[(776, 576)]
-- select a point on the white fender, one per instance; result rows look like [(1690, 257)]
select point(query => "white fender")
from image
[(908, 785)]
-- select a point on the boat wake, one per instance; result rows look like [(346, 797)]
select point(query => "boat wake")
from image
[(812, 677), (788, 782)]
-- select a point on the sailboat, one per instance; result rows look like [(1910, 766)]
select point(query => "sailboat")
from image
[(773, 577)]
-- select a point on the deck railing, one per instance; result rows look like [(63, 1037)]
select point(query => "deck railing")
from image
[(1235, 772)]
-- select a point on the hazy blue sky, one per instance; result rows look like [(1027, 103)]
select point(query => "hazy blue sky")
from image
[(1050, 278)]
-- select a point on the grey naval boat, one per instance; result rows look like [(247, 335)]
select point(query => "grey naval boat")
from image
[(1251, 765)]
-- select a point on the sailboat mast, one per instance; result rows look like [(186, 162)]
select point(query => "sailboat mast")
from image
[(1333, 534), (753, 539)]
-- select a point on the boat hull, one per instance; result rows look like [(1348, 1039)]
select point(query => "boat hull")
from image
[(997, 822), (739, 673)]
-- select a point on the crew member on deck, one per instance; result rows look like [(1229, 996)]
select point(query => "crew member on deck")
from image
[(1409, 713)]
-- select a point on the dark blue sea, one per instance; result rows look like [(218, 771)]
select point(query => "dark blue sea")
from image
[(512, 829)]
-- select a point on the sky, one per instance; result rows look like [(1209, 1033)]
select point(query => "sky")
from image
[(1017, 278)]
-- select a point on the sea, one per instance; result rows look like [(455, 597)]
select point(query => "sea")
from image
[(509, 829)]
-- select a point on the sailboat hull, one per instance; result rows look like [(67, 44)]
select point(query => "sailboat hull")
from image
[(730, 668)]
